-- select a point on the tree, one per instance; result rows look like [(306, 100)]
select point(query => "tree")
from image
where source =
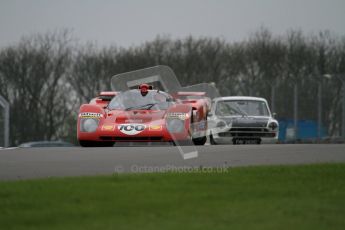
[(33, 75)]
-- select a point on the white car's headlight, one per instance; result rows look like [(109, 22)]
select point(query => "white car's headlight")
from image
[(273, 125), (175, 125), (89, 125)]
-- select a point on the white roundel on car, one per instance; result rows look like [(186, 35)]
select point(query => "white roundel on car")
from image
[(131, 129)]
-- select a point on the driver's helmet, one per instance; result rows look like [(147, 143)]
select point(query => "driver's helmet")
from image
[(144, 89)]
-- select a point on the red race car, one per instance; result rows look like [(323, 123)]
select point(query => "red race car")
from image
[(145, 106)]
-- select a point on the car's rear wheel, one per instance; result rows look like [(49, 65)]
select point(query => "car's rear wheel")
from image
[(96, 143)]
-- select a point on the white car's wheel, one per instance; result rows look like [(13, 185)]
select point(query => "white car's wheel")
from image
[(212, 141)]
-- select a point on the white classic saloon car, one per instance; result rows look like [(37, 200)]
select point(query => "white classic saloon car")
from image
[(241, 120)]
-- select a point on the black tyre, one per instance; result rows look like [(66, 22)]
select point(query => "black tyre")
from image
[(212, 141), (86, 143), (200, 140)]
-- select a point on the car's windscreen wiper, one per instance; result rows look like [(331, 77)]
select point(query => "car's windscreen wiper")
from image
[(146, 106), (241, 112)]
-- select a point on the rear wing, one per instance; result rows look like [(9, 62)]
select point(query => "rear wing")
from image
[(107, 95), (201, 94), (103, 98), (189, 96), (193, 97), (209, 90)]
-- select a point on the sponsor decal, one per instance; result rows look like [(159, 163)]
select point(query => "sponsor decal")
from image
[(108, 127), (131, 129), (155, 128), (182, 116), (90, 115)]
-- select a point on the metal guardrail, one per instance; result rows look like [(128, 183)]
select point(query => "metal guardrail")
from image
[(6, 108)]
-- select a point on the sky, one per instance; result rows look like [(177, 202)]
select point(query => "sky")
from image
[(132, 22)]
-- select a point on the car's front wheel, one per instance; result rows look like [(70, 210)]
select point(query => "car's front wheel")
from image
[(200, 140), (212, 141)]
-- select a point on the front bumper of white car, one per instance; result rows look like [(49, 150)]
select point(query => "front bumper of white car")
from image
[(241, 134), (264, 131)]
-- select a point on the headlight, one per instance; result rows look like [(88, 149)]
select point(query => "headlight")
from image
[(273, 126), (88, 125), (175, 125)]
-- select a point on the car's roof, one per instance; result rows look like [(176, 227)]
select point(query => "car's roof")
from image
[(240, 98)]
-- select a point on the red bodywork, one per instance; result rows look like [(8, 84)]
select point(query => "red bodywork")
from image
[(121, 125)]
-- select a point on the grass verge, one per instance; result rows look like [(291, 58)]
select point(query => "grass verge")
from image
[(267, 197)]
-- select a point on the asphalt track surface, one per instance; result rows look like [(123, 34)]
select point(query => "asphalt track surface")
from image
[(28, 163)]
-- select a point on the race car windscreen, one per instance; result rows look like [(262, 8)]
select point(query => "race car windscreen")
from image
[(241, 108), (134, 100), (160, 77)]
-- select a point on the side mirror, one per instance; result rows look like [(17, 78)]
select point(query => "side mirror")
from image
[(209, 114), (274, 115)]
